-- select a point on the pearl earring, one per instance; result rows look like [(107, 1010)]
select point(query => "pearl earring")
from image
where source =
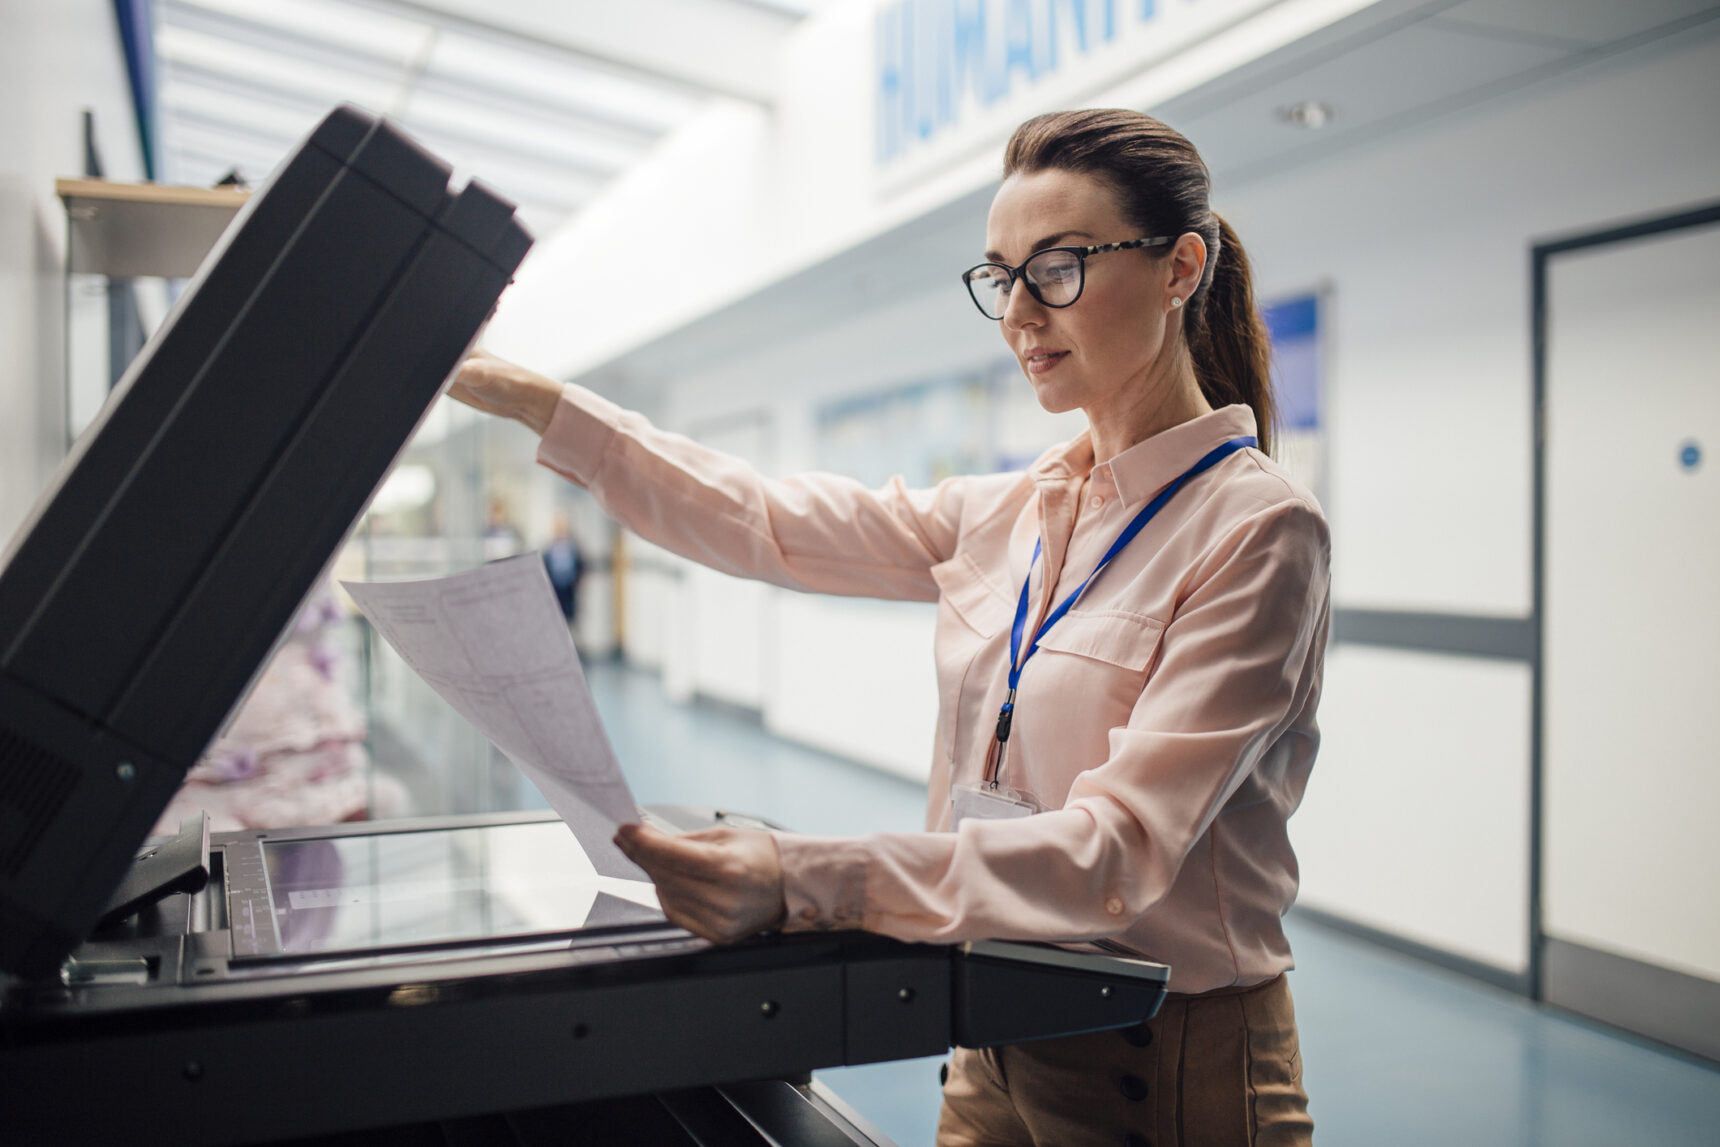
[(1175, 302)]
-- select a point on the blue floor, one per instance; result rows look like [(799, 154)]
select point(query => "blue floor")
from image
[(1396, 1053)]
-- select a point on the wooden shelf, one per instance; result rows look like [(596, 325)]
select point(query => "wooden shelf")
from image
[(129, 230)]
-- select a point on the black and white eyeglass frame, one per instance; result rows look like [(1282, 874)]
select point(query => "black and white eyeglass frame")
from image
[(1080, 253)]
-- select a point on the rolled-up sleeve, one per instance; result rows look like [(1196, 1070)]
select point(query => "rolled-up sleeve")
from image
[(814, 532), (1234, 687)]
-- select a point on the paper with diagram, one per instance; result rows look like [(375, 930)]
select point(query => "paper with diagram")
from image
[(493, 644)]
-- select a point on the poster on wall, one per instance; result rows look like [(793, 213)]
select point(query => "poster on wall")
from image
[(925, 432), (1294, 324)]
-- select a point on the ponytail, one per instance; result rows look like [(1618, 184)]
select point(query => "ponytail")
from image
[(1163, 186), (1228, 341)]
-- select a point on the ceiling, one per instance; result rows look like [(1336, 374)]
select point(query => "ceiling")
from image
[(1391, 66), (1403, 62), (550, 101)]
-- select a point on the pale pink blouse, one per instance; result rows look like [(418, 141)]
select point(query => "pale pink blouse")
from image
[(1167, 721)]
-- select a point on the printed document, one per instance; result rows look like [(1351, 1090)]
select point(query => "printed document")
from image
[(492, 642)]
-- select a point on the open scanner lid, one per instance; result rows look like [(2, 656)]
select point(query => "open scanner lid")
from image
[(152, 579)]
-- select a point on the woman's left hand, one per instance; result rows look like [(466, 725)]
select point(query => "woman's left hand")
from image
[(721, 883)]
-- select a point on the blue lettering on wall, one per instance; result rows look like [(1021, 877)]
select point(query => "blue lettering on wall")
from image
[(933, 58), (1018, 56), (1075, 12), (967, 66)]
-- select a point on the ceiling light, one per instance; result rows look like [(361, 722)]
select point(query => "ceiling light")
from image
[(1309, 114)]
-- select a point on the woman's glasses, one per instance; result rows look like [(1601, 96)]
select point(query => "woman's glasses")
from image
[(1054, 276)]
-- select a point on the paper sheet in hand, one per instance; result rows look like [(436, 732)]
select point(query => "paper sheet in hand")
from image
[(493, 644)]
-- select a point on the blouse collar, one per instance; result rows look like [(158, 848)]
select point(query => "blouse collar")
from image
[(1147, 467)]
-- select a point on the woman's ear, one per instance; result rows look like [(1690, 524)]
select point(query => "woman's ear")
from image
[(1187, 263)]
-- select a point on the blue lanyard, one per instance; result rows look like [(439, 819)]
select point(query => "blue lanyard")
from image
[(1017, 662)]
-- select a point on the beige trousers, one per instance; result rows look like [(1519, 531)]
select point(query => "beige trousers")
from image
[(1215, 1070)]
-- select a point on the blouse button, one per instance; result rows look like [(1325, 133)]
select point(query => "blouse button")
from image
[(1133, 1087), (1096, 502), (1114, 906)]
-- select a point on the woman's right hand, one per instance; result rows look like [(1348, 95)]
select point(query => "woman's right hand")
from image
[(497, 386)]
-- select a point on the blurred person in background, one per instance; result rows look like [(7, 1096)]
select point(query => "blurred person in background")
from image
[(501, 539), (1129, 648), (561, 560)]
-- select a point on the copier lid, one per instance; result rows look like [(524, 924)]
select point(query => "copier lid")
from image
[(144, 593)]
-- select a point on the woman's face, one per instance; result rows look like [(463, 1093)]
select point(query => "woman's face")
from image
[(1104, 353)]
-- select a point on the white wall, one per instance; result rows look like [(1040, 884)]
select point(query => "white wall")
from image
[(1415, 820), (55, 60), (856, 679)]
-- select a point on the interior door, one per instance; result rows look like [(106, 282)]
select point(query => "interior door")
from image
[(1631, 661)]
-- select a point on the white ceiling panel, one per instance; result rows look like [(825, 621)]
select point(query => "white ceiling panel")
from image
[(350, 27), (546, 101), (265, 119), (192, 54), (549, 82), (535, 137), (1384, 80), (221, 149), (1588, 21), (721, 46)]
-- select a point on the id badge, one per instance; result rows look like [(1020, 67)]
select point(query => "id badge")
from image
[(983, 802)]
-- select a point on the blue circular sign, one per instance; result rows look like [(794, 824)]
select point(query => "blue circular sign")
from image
[(1690, 455)]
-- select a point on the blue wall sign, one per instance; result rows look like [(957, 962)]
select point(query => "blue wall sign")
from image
[(1294, 325)]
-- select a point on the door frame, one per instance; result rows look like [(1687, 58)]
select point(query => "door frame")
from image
[(1541, 256)]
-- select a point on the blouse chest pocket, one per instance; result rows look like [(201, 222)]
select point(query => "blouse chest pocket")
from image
[(973, 615), (1126, 641), (964, 588)]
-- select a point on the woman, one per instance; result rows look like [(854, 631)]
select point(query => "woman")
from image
[(1129, 649)]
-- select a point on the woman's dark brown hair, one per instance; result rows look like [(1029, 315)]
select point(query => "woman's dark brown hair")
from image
[(1163, 186)]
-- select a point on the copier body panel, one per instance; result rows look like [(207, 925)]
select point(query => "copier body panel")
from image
[(478, 974)]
